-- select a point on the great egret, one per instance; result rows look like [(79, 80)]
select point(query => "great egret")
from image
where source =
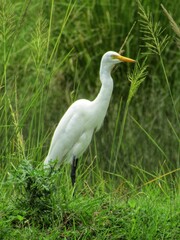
[(74, 132)]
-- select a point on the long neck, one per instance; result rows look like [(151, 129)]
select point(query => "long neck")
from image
[(106, 88), (101, 102), (107, 85)]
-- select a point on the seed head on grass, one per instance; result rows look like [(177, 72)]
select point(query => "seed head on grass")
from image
[(174, 25), (155, 42), (38, 44), (152, 32), (7, 22), (136, 78)]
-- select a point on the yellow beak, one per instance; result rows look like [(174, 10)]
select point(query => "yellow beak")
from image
[(124, 59)]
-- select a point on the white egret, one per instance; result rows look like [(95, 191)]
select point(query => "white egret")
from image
[(74, 132)]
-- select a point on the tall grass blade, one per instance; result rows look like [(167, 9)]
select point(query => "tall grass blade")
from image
[(115, 133), (155, 41), (67, 15), (136, 78), (150, 138), (124, 43)]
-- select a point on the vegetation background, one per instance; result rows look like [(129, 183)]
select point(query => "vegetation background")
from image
[(127, 186)]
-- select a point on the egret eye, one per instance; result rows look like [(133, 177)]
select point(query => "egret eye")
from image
[(114, 56)]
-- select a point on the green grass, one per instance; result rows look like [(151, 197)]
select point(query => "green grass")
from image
[(150, 211), (127, 186)]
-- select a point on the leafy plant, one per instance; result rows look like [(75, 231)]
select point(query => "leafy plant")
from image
[(34, 189)]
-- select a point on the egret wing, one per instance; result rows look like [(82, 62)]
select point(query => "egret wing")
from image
[(69, 130)]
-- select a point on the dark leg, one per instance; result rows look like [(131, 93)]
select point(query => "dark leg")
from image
[(73, 170)]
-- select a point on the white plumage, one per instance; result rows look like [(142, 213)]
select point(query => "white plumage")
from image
[(75, 129)]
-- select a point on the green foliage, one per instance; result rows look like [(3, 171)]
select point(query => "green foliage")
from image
[(34, 190), (148, 213), (127, 186)]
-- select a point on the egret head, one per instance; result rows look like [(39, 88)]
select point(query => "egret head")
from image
[(113, 58)]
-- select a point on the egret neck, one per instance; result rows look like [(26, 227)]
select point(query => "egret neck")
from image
[(101, 102)]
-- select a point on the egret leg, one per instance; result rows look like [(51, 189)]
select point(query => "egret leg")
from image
[(73, 170)]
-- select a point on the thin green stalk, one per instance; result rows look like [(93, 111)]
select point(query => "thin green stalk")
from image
[(68, 13), (127, 37), (50, 27), (178, 139), (174, 131), (9, 32), (150, 138), (5, 79), (115, 132), (169, 89), (121, 133), (136, 78)]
